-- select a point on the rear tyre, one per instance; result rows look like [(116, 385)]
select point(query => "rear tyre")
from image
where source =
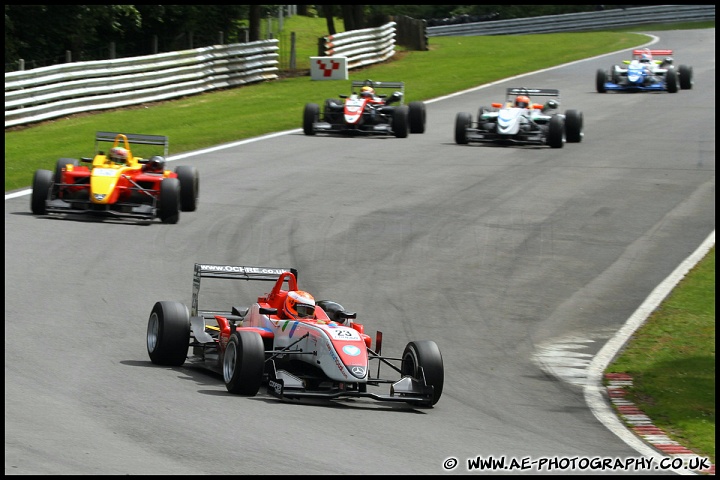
[(169, 201), (573, 126), (332, 111), (423, 359), (400, 120), (244, 363), (481, 112), (671, 80), (556, 132), (600, 79), (311, 114), (417, 117), (41, 186), (62, 163), (168, 333), (462, 123), (189, 187), (685, 74)]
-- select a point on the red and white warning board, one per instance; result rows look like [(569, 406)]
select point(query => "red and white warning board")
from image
[(328, 68)]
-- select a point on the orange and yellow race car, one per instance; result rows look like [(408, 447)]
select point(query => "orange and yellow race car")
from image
[(117, 183)]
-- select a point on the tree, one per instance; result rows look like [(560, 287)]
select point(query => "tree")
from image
[(329, 12), (254, 17)]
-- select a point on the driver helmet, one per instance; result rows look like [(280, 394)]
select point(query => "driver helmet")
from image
[(119, 155), (299, 304), (645, 58), (367, 91), (522, 101)]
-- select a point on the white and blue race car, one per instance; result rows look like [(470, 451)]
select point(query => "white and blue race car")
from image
[(645, 73)]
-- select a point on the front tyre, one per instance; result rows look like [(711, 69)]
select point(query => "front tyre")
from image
[(462, 123), (671, 80), (417, 117), (168, 333), (189, 187), (311, 114), (600, 79), (556, 132), (422, 361), (41, 189), (400, 120), (573, 126), (244, 363)]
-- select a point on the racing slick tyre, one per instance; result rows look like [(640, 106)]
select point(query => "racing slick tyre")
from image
[(311, 115), (189, 187), (400, 121), (169, 201), (685, 74), (600, 79), (168, 333), (423, 359), (61, 163), (671, 80), (41, 187), (333, 111), (556, 132), (481, 112), (462, 122), (244, 363), (417, 116), (573, 126)]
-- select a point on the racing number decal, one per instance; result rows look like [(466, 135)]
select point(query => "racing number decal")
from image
[(346, 334)]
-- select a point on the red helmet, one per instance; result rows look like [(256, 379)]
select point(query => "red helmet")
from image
[(522, 101), (299, 304)]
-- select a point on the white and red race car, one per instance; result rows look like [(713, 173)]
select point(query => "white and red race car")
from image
[(371, 114), (328, 356)]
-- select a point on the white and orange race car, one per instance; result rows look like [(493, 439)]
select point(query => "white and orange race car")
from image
[(324, 356)]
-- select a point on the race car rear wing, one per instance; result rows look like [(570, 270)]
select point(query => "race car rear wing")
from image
[(133, 138), (233, 272), (533, 92), (652, 52), (397, 86)]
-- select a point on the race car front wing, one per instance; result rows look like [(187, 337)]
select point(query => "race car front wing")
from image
[(284, 385)]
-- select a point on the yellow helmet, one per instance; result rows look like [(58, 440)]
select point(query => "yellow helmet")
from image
[(367, 91)]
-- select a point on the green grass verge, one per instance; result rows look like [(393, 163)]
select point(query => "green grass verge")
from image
[(671, 358), (229, 115)]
